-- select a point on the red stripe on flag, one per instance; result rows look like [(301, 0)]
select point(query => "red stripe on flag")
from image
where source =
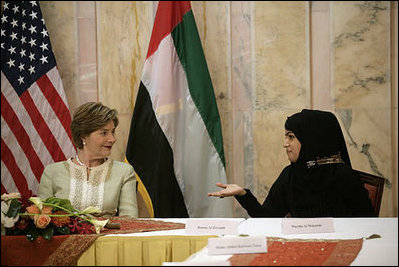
[(42, 128), (169, 14), (56, 102), (9, 160), (23, 138)]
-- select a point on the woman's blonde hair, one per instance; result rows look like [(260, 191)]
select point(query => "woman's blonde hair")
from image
[(90, 117)]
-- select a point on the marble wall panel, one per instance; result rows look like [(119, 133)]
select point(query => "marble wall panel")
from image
[(281, 77), (362, 88), (394, 101), (320, 56), (124, 29), (60, 18), (87, 51), (360, 29), (241, 98), (281, 55)]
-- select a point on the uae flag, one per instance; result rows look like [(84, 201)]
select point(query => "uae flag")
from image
[(175, 142)]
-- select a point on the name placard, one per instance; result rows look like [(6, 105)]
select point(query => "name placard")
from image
[(237, 245), (307, 226), (211, 227)]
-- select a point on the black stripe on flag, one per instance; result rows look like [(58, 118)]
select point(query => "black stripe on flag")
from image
[(150, 154)]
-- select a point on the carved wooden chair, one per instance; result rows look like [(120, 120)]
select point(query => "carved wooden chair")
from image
[(375, 186)]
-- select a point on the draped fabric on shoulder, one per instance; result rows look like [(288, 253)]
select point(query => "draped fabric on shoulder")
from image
[(328, 187)]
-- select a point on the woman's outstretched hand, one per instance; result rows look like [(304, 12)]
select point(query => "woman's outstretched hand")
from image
[(228, 191)]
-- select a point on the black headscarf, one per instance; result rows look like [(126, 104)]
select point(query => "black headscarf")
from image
[(320, 135)]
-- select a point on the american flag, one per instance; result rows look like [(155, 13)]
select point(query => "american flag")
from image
[(35, 118)]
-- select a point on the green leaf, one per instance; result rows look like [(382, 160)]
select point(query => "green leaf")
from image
[(65, 203), (62, 202), (48, 233), (52, 200), (14, 208)]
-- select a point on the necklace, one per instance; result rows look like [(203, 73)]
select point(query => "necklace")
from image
[(81, 163), (84, 165)]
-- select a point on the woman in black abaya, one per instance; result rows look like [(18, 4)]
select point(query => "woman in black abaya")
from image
[(319, 182)]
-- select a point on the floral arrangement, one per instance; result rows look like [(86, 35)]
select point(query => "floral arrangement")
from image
[(34, 217)]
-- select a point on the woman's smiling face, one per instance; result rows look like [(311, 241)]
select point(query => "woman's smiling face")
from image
[(99, 143)]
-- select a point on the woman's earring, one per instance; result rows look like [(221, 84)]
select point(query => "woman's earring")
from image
[(84, 143)]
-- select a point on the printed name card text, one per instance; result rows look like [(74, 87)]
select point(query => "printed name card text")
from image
[(237, 245), (211, 227), (307, 225)]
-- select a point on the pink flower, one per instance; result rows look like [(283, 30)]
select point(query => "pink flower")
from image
[(34, 210), (47, 210), (41, 221)]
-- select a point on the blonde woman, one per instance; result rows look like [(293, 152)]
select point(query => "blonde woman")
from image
[(91, 178)]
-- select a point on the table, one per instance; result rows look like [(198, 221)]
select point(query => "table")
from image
[(146, 248), (155, 248), (374, 252), (114, 248)]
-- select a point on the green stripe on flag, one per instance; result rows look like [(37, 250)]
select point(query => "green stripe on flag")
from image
[(189, 49)]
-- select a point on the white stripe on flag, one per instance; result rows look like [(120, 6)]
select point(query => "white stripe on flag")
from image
[(24, 118), (23, 162), (167, 88), (53, 122), (196, 162), (6, 179)]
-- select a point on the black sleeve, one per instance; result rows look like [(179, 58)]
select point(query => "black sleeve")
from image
[(275, 204), (356, 195)]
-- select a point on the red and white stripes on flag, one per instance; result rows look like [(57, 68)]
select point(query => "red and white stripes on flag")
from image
[(35, 118)]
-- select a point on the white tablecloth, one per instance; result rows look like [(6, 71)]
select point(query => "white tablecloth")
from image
[(375, 252)]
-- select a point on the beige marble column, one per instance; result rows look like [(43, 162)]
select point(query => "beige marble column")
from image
[(60, 18), (281, 80), (87, 51), (362, 86), (394, 103), (123, 33), (320, 56), (241, 97)]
